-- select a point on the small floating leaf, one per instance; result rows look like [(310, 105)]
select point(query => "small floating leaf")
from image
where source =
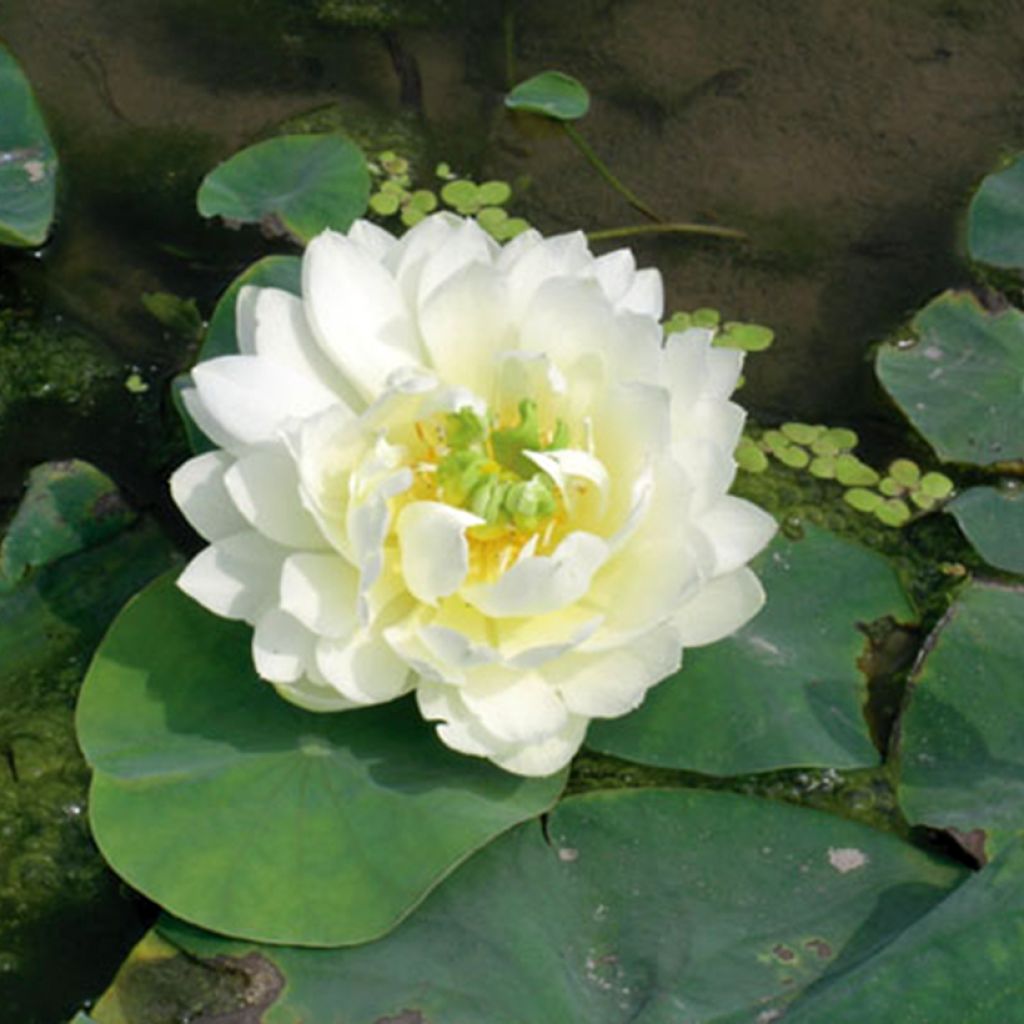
[(750, 457), (802, 433), (384, 203), (550, 94), (893, 512), (862, 499), (936, 485), (463, 195), (850, 471), (294, 184), (823, 467), (905, 472), (748, 337), (494, 193)]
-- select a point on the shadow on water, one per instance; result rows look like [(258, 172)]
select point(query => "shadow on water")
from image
[(843, 138)]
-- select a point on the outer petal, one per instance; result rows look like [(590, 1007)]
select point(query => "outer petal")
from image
[(236, 577), (469, 244), (434, 549), (357, 312), (363, 668), (615, 272), (719, 608), (281, 333), (251, 399), (314, 695), (516, 707), (646, 295), (534, 586), (549, 755), (614, 682), (737, 530), (321, 591), (265, 489), (282, 647), (197, 487), (530, 265), (374, 240)]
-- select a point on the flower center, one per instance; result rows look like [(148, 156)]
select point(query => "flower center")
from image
[(480, 465)]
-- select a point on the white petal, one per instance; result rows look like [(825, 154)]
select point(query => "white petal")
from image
[(281, 333), (459, 729), (265, 489), (614, 682), (281, 647), (558, 256), (312, 695), (245, 319), (723, 368), (374, 240), (434, 549), (469, 244), (363, 668), (465, 324), (409, 256), (646, 295), (531, 642), (542, 584), (615, 272), (719, 608), (516, 707), (357, 312), (202, 418), (321, 591), (236, 577), (549, 755), (198, 489), (737, 530), (569, 466), (251, 399)]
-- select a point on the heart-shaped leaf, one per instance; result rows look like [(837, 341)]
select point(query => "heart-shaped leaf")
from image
[(293, 184), (240, 812), (550, 94), (960, 383)]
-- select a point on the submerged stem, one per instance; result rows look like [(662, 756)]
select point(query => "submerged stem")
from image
[(677, 228), (606, 172)]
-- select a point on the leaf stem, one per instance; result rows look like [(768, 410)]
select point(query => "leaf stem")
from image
[(677, 228), (605, 171)]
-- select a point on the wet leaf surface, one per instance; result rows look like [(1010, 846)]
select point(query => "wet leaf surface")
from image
[(962, 747), (960, 384), (643, 906), (785, 690), (993, 521), (995, 219)]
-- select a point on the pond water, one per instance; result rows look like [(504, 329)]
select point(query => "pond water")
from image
[(844, 139)]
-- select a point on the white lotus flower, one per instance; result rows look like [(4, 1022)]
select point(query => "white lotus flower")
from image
[(472, 471)]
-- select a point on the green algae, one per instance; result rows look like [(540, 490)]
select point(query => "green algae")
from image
[(53, 880)]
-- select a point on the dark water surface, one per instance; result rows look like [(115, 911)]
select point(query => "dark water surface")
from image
[(844, 138)]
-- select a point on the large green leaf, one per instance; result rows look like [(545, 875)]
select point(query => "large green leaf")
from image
[(959, 964), (550, 94), (639, 906), (242, 813), (993, 521), (293, 184), (995, 219), (962, 748), (786, 690), (68, 506), (960, 384), (28, 163)]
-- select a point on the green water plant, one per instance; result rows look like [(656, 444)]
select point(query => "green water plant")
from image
[(28, 161), (295, 185)]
